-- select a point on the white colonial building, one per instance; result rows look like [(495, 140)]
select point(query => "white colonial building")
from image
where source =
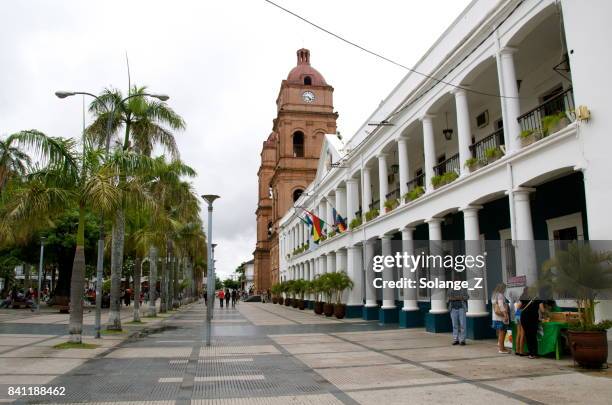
[(490, 145)]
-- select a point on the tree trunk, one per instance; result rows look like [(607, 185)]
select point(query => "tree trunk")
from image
[(152, 281), (175, 286), (137, 273), (114, 318), (26, 275), (162, 287), (77, 282)]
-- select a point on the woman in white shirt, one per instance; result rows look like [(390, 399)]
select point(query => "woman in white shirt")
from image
[(500, 315)]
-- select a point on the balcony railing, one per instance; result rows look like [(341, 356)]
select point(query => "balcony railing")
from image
[(417, 181), (375, 204), (449, 165), (495, 140), (394, 194), (532, 121)]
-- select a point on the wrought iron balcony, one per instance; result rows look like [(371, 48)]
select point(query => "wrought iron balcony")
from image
[(533, 121), (449, 165), (394, 194), (417, 181), (375, 204), (495, 140)]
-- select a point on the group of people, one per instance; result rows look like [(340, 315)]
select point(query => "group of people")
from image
[(525, 312), (15, 296), (227, 296)]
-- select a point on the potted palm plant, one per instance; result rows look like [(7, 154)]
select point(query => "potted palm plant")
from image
[(339, 282), (584, 273), (287, 289), (328, 292), (300, 287), (317, 289), (275, 291)]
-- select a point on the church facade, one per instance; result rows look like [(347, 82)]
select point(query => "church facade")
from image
[(289, 158)]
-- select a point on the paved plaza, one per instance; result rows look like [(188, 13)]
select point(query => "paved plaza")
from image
[(272, 354)]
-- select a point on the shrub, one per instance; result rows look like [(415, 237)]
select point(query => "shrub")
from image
[(370, 215), (414, 193), (355, 223)]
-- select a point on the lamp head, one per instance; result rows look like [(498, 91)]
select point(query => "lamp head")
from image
[(210, 198), (162, 97), (64, 94)]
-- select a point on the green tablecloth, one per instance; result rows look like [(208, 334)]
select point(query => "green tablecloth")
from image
[(548, 337)]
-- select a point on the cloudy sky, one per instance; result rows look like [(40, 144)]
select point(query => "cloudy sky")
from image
[(221, 62)]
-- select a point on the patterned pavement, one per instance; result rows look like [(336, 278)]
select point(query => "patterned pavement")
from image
[(271, 354)]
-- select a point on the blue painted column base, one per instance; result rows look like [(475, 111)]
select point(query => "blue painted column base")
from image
[(306, 302), (310, 304), (387, 315), (354, 311), (438, 323), (369, 313), (411, 319), (479, 327)]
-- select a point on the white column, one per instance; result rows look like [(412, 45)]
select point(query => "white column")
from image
[(387, 274), (352, 199), (525, 244), (509, 86), (323, 212), (355, 272), (429, 150), (331, 262), (383, 182), (341, 266), (370, 290), (330, 213), (438, 295), (410, 294), (341, 201), (404, 168), (322, 264), (473, 248), (464, 131), (367, 190)]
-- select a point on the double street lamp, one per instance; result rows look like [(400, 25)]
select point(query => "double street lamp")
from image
[(210, 282), (109, 125)]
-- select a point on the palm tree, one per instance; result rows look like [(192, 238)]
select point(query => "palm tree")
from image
[(146, 123), (175, 206), (14, 159), (87, 182)]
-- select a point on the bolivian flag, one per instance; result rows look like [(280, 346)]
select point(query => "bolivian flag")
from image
[(316, 226)]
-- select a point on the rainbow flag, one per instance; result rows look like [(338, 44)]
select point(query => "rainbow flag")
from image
[(339, 222)]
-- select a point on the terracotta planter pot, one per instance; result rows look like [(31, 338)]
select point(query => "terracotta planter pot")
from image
[(339, 311), (328, 309), (281, 300), (274, 300), (287, 302), (294, 302), (318, 308), (589, 348), (301, 305)]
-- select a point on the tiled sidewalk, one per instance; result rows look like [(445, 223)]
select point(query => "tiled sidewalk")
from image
[(271, 354)]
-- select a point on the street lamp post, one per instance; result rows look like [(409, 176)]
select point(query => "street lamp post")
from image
[(210, 198), (109, 123), (40, 269)]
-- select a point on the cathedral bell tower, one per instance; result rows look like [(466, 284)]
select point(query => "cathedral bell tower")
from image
[(290, 155)]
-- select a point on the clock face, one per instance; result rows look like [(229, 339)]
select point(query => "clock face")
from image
[(308, 96)]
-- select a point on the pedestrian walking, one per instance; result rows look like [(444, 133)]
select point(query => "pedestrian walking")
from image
[(457, 306), (221, 297), (500, 316), (227, 297), (234, 297)]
